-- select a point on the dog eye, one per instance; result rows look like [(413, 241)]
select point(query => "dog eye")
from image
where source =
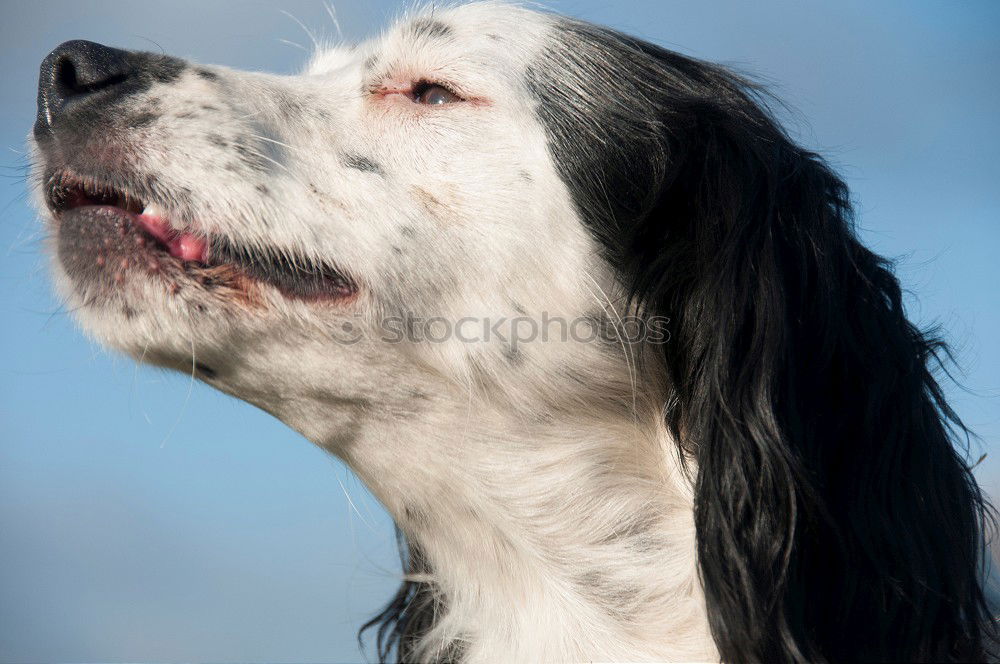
[(433, 94)]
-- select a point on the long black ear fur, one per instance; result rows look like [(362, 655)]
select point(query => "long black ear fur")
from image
[(835, 519)]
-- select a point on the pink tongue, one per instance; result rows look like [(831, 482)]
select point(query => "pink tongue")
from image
[(185, 246)]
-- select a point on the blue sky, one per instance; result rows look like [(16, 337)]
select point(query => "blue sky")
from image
[(146, 517)]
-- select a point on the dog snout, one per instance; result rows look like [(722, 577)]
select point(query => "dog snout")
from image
[(80, 76)]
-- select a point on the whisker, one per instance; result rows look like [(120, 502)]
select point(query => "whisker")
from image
[(302, 25)]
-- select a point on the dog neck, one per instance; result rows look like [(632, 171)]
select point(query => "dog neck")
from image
[(563, 536)]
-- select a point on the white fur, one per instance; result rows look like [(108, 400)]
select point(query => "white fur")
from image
[(545, 493)]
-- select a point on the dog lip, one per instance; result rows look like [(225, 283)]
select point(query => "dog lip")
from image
[(67, 191), (294, 276)]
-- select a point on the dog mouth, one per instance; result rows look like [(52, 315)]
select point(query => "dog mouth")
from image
[(95, 217)]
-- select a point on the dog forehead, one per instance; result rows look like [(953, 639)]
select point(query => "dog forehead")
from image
[(476, 36)]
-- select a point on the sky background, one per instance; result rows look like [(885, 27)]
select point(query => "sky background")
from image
[(144, 517)]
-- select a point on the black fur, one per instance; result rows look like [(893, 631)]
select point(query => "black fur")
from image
[(836, 521), (409, 615), (362, 163), (431, 29)]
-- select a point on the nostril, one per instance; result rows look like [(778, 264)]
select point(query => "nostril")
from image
[(65, 75), (72, 81)]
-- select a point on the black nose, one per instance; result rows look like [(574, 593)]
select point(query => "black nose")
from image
[(79, 70), (80, 79)]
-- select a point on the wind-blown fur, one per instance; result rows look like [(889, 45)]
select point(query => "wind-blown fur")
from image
[(781, 481)]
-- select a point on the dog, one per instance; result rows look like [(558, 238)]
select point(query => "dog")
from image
[(595, 330)]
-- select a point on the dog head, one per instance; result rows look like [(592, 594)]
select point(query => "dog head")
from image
[(284, 237), (229, 221)]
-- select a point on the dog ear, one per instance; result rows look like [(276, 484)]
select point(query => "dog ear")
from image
[(409, 615), (835, 519)]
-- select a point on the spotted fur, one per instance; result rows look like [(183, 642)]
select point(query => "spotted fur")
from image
[(558, 500)]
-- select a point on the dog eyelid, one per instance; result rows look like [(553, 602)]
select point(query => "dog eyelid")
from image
[(433, 94)]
